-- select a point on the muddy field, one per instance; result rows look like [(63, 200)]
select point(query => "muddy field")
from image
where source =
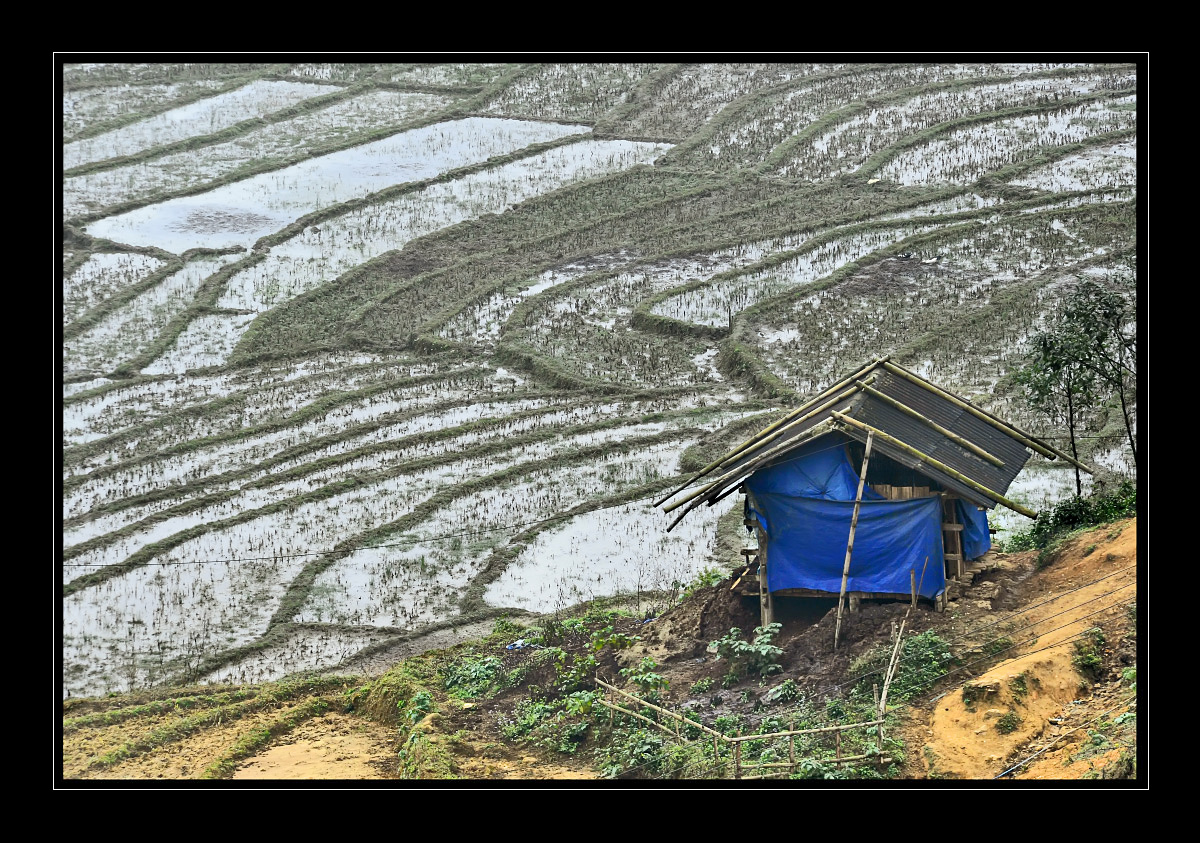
[(358, 354)]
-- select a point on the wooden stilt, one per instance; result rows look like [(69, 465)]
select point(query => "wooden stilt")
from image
[(862, 478)]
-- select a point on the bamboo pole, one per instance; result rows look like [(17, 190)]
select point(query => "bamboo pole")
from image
[(1021, 436), (862, 479), (949, 434), (639, 701), (614, 706), (771, 428), (844, 760), (841, 727), (749, 467), (940, 466)]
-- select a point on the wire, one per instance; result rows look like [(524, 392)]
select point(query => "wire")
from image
[(991, 656), (1037, 605), (1050, 746)]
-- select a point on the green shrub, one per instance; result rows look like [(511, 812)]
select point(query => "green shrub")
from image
[(1087, 659), (651, 684), (473, 676), (1008, 723), (745, 657), (1075, 513)]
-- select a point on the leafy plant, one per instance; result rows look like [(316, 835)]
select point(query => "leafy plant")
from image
[(416, 708), (745, 657), (652, 684), (474, 677), (785, 692), (1073, 514), (1087, 659), (1008, 723), (702, 686)]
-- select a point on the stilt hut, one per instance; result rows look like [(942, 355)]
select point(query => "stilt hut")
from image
[(878, 487)]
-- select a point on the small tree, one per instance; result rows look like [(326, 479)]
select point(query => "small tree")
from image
[(1104, 321), (1056, 380)]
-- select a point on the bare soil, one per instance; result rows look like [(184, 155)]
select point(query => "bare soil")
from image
[(1016, 707)]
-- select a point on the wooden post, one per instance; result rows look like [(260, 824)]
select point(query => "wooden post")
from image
[(879, 714), (912, 579), (766, 615), (862, 478), (837, 744), (737, 760)]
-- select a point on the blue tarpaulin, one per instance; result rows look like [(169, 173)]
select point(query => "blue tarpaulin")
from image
[(805, 506), (976, 538)]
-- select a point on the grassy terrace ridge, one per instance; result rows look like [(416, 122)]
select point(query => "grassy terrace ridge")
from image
[(233, 77), (643, 317), (333, 314), (892, 150), (144, 555), (472, 609), (781, 153), (654, 229), (93, 316), (298, 590), (319, 407), (322, 442), (738, 357), (270, 696), (507, 443), (457, 110), (169, 705), (1002, 306), (734, 113), (317, 103)]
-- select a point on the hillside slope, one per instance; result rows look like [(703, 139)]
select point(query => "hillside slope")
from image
[(1043, 686)]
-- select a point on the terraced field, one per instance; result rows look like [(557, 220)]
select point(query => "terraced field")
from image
[(354, 354)]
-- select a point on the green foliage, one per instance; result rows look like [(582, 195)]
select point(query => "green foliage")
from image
[(630, 748), (1019, 686), (702, 686), (997, 646), (1087, 659), (785, 692), (705, 579), (416, 708), (652, 684), (728, 724), (1008, 723), (923, 660), (1073, 514), (811, 768), (473, 676), (758, 656)]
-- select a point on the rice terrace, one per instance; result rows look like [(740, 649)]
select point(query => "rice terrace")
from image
[(363, 359)]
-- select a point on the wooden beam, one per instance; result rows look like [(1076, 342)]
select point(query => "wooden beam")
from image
[(1016, 433), (766, 431), (949, 434), (748, 468), (734, 456), (862, 478), (940, 466)]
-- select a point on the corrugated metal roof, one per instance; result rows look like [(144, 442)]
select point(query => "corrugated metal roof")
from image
[(957, 444)]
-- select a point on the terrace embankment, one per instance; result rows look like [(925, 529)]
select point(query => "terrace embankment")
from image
[(1039, 683)]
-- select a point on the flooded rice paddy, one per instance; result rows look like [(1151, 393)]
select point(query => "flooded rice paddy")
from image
[(354, 351)]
